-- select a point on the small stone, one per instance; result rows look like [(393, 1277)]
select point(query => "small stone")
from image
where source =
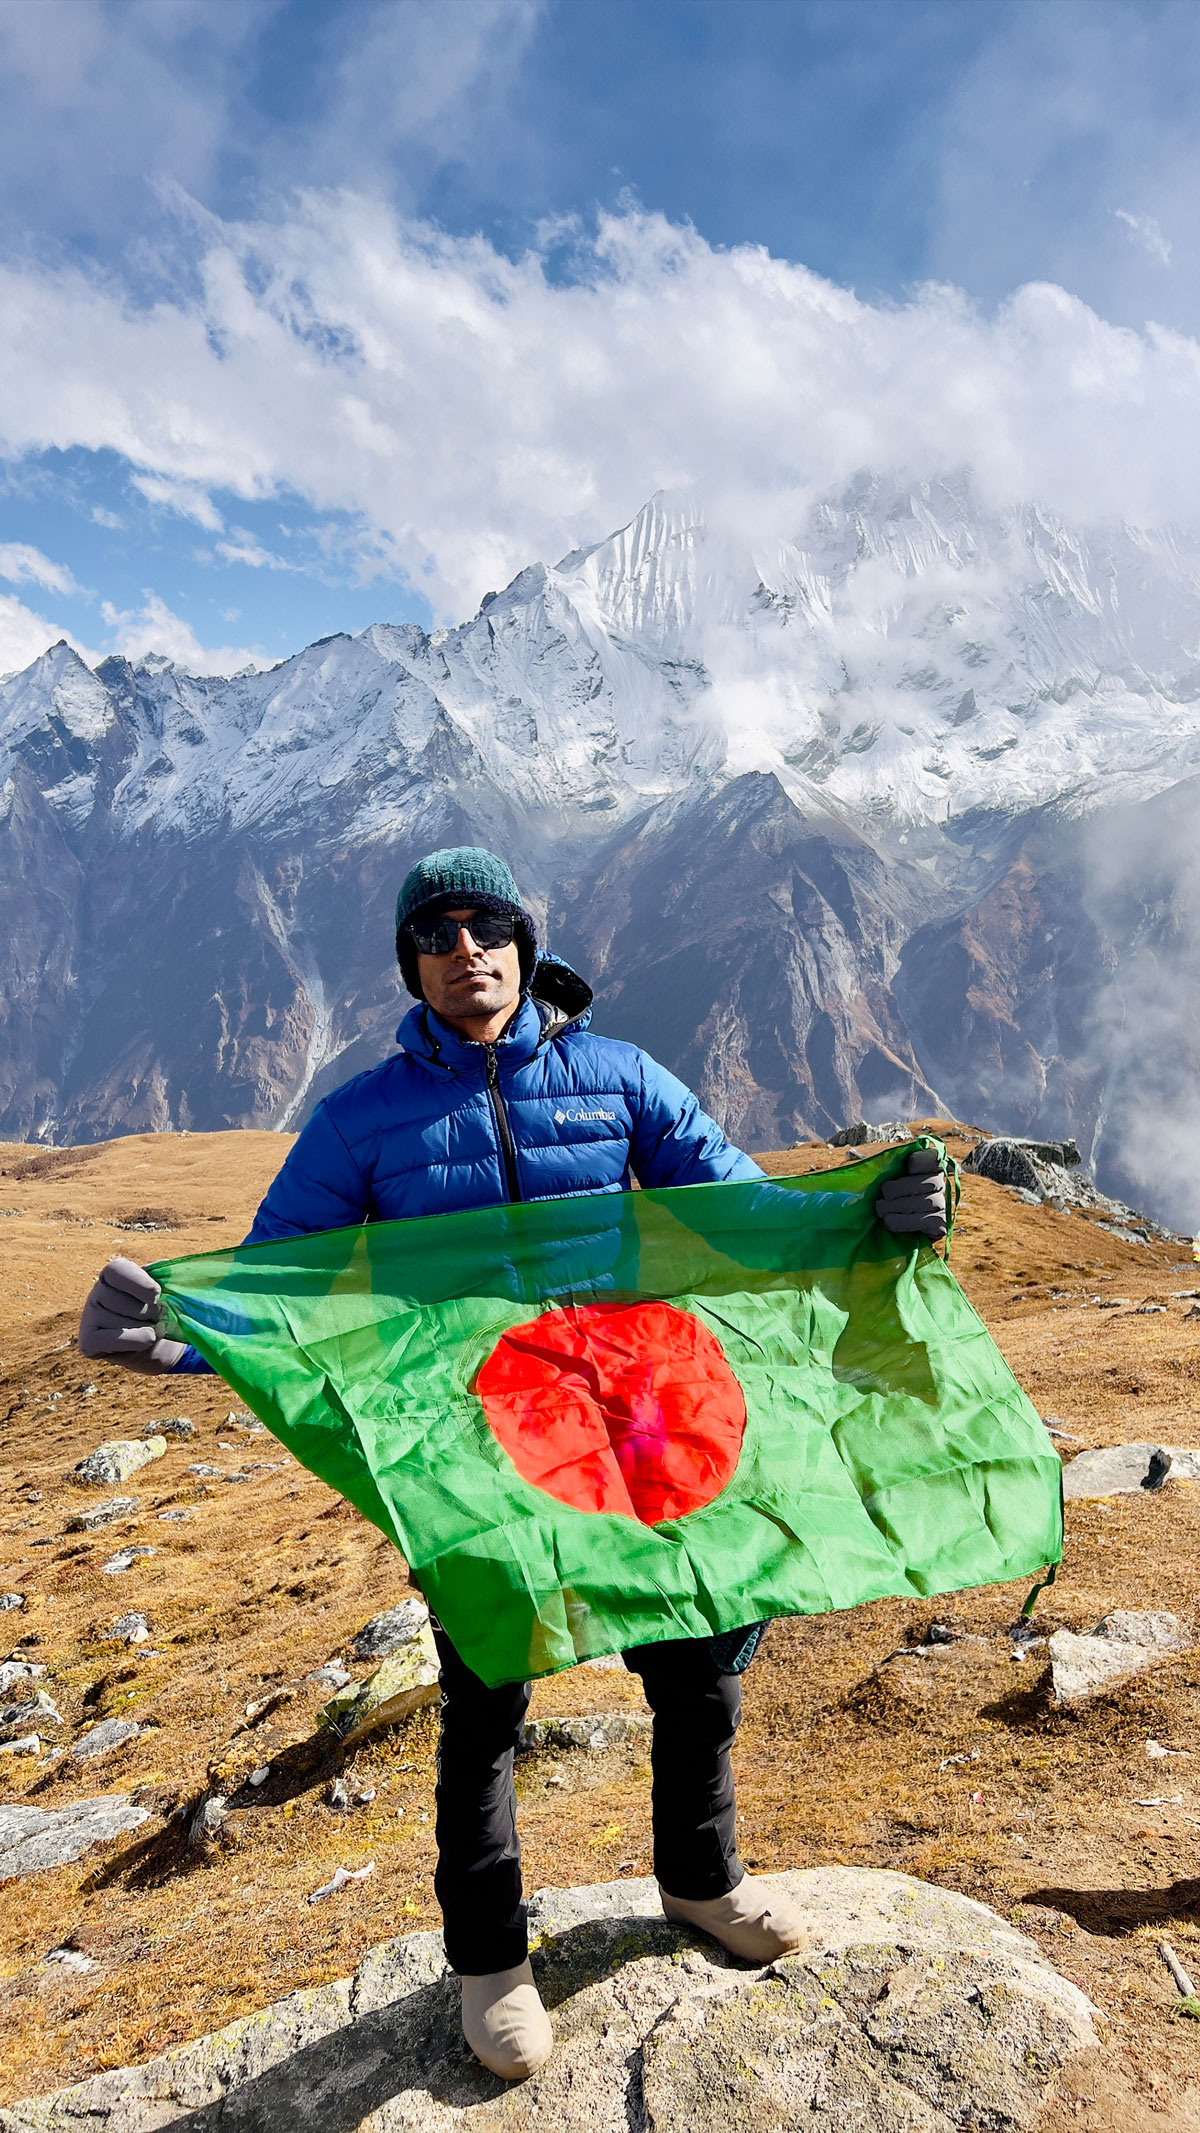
[(386, 1633), (179, 1426), (174, 1517), (130, 1629), (209, 1819), (36, 1710), (364, 1798), (72, 1959), (124, 1560), (235, 1477), (331, 1675), (259, 1777), (338, 1796), (116, 1461), (239, 1418), (86, 1392), (28, 1744), (10, 1602), (103, 1514), (605, 1730), (103, 1738), (206, 1472)]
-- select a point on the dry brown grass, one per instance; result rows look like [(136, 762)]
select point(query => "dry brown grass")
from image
[(839, 1757)]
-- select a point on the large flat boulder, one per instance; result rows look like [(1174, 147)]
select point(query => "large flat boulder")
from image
[(914, 2010), (34, 1839)]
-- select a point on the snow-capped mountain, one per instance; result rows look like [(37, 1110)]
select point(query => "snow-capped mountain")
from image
[(894, 813)]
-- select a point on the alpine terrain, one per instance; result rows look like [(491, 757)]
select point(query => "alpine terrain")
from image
[(894, 817)]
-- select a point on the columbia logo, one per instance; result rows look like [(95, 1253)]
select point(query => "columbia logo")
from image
[(583, 1118)]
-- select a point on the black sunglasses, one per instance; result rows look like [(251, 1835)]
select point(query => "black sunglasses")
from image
[(437, 936)]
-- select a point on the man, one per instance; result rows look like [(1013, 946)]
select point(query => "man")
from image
[(499, 1093)]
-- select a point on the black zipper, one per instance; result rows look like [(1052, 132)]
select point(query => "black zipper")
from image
[(503, 1129)]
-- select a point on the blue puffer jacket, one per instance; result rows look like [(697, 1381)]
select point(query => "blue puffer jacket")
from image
[(549, 1112)]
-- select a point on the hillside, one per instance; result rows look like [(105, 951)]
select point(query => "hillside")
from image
[(847, 1753)]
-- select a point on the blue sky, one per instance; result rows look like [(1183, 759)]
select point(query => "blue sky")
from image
[(319, 315)]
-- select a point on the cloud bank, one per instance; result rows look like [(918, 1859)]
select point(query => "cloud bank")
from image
[(471, 412)]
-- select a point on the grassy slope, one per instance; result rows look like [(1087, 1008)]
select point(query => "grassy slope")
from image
[(839, 1756)]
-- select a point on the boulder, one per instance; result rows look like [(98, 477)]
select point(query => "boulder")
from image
[(1123, 1644), (914, 2010), (607, 1729), (407, 1679), (101, 1739), (102, 1514), (115, 1462), (33, 1839), (1116, 1470), (1006, 1163), (385, 1633)]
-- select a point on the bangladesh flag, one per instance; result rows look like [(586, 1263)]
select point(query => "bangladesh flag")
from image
[(606, 1421)]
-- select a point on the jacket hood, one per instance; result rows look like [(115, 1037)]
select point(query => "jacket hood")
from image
[(558, 999)]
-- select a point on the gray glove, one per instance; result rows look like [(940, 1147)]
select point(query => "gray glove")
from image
[(916, 1200), (122, 1321)]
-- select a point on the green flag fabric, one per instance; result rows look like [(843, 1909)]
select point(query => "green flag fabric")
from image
[(616, 1419)]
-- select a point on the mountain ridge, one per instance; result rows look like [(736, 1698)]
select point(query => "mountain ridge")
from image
[(877, 800)]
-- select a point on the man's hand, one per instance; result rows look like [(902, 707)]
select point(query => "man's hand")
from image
[(916, 1200), (122, 1321)]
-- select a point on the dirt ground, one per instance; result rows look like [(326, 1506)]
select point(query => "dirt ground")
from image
[(955, 1767)]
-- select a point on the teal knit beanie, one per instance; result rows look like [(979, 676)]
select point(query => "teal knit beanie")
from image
[(461, 870), (460, 874)]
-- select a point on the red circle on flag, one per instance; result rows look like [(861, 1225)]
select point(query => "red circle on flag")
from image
[(629, 1408)]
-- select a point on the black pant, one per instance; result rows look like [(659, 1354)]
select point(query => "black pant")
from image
[(478, 1880)]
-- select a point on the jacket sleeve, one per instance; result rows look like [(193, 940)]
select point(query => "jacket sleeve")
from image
[(675, 1142), (319, 1187)]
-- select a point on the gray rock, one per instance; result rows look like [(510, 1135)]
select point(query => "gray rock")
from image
[(406, 1679), (178, 1426), (205, 1471), (18, 1670), (387, 1632), (1116, 1470), (30, 1715), (129, 1629), (102, 1514), (331, 1675), (1123, 1644), (1185, 1462), (124, 1560), (115, 1462), (101, 1739), (615, 1729), (240, 1418), (339, 1796), (27, 1744), (209, 1820), (33, 1840), (853, 1136), (914, 2010), (10, 1602), (1006, 1163)]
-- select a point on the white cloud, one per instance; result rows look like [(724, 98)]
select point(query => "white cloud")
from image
[(464, 413), (243, 548), (1145, 231), (182, 497), (152, 630), (23, 565), (24, 635), (101, 517)]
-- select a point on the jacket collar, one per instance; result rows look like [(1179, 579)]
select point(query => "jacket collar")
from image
[(558, 1000)]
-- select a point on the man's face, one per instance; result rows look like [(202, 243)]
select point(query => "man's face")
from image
[(471, 983)]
